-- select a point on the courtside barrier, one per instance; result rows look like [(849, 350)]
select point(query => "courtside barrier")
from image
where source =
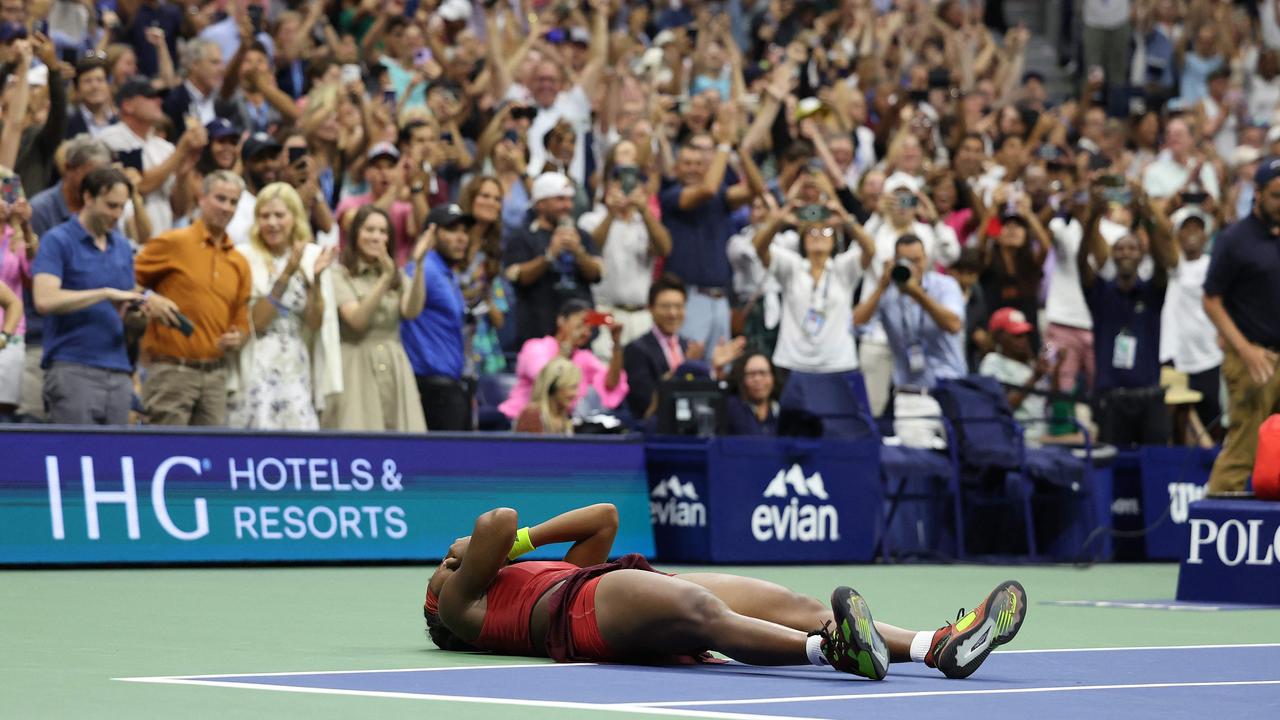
[(1232, 552), (71, 495)]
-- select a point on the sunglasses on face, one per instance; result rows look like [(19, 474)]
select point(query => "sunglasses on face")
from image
[(524, 113)]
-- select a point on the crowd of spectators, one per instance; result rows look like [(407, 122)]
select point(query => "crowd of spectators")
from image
[(294, 214)]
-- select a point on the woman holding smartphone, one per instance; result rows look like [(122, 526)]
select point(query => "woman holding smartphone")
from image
[(574, 325)]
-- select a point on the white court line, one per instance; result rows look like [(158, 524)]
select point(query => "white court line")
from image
[(936, 693), (1142, 647), (556, 704), (159, 678)]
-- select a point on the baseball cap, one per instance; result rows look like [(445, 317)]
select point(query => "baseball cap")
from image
[(221, 128), (900, 181), (449, 215), (1010, 320), (12, 31), (454, 10), (1269, 170), (136, 86), (257, 144), (1244, 154), (1188, 212), (383, 150), (579, 35), (551, 185)]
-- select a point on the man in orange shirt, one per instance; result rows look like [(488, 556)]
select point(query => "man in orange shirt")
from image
[(198, 269)]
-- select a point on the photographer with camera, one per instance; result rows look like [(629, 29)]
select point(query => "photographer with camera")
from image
[(922, 314)]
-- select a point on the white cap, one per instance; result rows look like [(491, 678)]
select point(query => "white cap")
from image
[(454, 10), (551, 185), (1186, 212), (664, 38), (1273, 134), (900, 181), (38, 76), (1243, 155)]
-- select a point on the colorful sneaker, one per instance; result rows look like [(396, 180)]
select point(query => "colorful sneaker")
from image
[(958, 649), (854, 645)]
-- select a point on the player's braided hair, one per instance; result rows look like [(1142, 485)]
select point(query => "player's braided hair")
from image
[(443, 637)]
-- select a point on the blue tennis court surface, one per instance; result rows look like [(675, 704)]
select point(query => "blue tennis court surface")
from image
[(1116, 682)]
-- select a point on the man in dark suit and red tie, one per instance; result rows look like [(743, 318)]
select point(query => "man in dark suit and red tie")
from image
[(652, 357)]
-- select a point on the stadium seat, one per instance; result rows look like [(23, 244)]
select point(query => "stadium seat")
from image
[(491, 391), (839, 402)]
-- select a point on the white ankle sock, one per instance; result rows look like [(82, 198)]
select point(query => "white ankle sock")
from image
[(920, 645), (813, 648)]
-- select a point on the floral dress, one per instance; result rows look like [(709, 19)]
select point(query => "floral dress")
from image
[(483, 351), (276, 393)]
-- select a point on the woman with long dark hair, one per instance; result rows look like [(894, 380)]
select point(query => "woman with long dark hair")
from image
[(1013, 261), (587, 609), (752, 405), (483, 288), (373, 296)]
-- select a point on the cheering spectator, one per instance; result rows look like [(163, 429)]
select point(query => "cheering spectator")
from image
[(977, 341), (197, 96), (291, 364), (12, 356), (1180, 168), (1187, 336), (94, 112), (34, 125), (261, 160), (138, 146), (757, 294), (1126, 329), (84, 283), (608, 383), (374, 298), (551, 261), (752, 405), (435, 339), (198, 269), (1013, 261), (388, 189), (696, 211), (483, 287), (816, 330), (552, 400), (1015, 365), (630, 239), (654, 356)]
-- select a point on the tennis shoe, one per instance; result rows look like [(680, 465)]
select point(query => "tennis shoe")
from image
[(853, 645), (960, 647)]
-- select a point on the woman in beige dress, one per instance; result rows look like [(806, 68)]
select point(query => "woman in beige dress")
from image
[(373, 296)]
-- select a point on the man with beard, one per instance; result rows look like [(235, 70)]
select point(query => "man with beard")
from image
[(261, 155), (198, 268), (84, 285), (1241, 296), (433, 340)]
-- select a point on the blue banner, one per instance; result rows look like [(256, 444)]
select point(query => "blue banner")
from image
[(1232, 552), (77, 496), (761, 500)]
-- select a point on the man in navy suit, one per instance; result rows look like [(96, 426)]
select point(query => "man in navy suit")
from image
[(652, 357)]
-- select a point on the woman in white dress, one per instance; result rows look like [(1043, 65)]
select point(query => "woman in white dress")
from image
[(286, 370)]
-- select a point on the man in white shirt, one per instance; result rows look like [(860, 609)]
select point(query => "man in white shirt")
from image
[(1178, 168), (1188, 338), (630, 239), (140, 116)]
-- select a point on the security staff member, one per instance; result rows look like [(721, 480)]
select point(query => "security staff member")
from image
[(1241, 296)]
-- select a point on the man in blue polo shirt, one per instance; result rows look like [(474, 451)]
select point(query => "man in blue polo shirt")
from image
[(433, 340), (1129, 402), (1241, 296), (83, 283), (696, 209)]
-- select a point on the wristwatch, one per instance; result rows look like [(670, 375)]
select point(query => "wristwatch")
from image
[(417, 188)]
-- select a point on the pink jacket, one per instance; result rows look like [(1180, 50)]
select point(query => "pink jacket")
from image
[(537, 352)]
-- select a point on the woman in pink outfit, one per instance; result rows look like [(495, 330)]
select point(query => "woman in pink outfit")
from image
[(572, 340)]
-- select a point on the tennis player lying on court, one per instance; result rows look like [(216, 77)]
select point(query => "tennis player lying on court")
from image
[(587, 609)]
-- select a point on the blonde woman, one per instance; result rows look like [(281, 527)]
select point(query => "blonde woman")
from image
[(292, 362), (550, 408)]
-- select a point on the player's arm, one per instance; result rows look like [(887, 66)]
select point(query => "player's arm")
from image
[(486, 553), (591, 529)]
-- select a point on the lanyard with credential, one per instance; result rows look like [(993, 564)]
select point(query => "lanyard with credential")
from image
[(816, 316)]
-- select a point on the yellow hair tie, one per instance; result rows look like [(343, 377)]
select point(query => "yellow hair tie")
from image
[(522, 545)]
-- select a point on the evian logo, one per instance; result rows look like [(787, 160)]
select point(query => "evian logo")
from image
[(793, 520), (672, 502)]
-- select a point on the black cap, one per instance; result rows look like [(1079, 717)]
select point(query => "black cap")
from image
[(257, 144), (137, 86), (448, 216)]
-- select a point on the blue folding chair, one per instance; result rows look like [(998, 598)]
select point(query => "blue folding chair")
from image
[(991, 446), (491, 391), (839, 400)]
